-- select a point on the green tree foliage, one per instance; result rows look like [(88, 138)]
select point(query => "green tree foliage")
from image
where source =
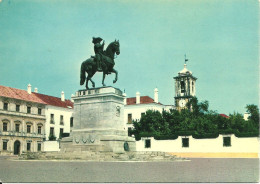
[(197, 120), (254, 114)]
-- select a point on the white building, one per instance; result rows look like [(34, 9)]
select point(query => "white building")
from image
[(58, 113), (136, 106)]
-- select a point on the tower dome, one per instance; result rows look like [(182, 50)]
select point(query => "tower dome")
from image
[(185, 71)]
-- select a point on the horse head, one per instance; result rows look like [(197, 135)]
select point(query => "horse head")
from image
[(112, 48), (116, 47)]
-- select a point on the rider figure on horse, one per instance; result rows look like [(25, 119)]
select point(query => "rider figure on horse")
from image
[(99, 51)]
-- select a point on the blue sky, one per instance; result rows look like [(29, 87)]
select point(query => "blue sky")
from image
[(44, 42)]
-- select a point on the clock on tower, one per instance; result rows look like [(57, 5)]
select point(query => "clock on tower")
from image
[(184, 87)]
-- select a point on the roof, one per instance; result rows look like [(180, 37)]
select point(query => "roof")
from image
[(33, 97), (19, 94), (143, 100), (54, 101), (185, 71), (224, 115)]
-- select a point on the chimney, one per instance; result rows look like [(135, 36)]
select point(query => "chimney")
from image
[(137, 98), (29, 89), (72, 96), (62, 96), (35, 90), (125, 100), (156, 95)]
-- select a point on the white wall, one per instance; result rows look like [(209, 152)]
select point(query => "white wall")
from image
[(240, 145), (57, 111), (51, 146)]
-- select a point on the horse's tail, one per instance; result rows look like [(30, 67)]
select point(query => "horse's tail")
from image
[(82, 74)]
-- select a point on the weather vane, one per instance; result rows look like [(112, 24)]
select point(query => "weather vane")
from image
[(185, 59)]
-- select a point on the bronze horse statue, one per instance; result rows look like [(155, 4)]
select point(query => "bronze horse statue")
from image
[(107, 65)]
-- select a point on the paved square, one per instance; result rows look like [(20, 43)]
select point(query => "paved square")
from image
[(195, 170)]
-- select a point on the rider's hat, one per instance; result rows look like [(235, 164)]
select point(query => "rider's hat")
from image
[(96, 40)]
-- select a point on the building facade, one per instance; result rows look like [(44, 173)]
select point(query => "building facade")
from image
[(30, 121), (135, 107), (22, 121)]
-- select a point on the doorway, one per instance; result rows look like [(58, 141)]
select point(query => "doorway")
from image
[(17, 147)]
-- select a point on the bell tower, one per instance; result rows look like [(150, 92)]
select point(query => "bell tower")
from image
[(184, 87)]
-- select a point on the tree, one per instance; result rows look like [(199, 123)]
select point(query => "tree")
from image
[(197, 120), (197, 108), (254, 114)]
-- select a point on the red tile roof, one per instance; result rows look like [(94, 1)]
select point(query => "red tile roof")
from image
[(224, 115), (33, 97), (143, 100), (54, 101), (19, 94)]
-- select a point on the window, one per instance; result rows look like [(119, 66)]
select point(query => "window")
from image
[(52, 118), (6, 106), (182, 87), (52, 136), (39, 129), (28, 128), (5, 144), (17, 108), (39, 146), (192, 87), (129, 118), (129, 131), (226, 141), (61, 120), (51, 131), (28, 146), (4, 127), (61, 132), (142, 114), (39, 111), (71, 121), (28, 109), (17, 127), (147, 143), (185, 142)]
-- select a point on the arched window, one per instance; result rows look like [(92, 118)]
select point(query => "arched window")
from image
[(192, 86), (182, 86)]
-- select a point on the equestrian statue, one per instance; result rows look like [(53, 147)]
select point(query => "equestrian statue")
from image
[(103, 61)]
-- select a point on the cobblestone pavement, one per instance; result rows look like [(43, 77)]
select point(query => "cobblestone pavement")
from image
[(195, 170)]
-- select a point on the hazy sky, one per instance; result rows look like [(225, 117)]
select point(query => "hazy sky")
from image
[(44, 42)]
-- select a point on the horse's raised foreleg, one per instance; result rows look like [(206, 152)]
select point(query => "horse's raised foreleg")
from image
[(114, 71), (104, 76)]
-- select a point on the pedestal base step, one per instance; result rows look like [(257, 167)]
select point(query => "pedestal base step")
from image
[(102, 156)]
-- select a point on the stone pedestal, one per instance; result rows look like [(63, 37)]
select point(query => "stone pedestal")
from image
[(98, 122)]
